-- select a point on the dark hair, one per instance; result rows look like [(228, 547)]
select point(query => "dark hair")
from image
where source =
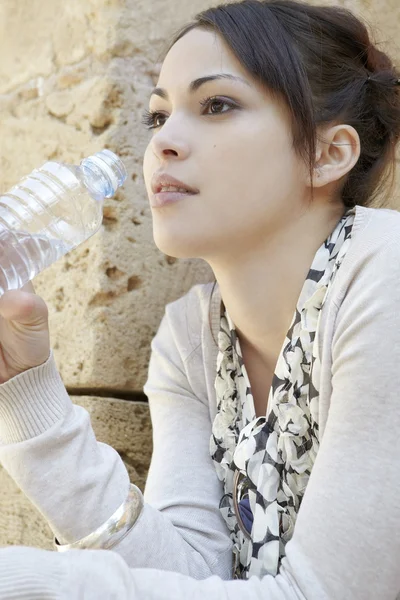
[(318, 59)]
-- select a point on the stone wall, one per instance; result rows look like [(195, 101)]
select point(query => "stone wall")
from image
[(74, 78)]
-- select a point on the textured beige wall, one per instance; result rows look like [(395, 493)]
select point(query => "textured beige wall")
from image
[(74, 78)]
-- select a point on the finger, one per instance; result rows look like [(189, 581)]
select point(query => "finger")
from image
[(28, 287), (24, 307)]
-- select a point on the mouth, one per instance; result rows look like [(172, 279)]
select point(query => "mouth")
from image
[(168, 190), (169, 196), (164, 182)]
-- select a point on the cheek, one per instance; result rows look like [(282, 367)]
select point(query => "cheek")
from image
[(148, 167), (249, 182), (249, 166)]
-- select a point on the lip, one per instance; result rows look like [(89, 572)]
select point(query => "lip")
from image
[(164, 198), (163, 179)]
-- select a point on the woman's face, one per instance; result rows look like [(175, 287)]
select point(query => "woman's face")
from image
[(232, 142)]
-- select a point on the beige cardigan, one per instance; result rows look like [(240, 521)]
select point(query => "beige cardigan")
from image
[(346, 544)]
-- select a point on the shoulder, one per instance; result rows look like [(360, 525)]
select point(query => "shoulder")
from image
[(367, 283), (375, 228), (374, 252), (181, 348), (195, 300), (363, 305), (189, 315)]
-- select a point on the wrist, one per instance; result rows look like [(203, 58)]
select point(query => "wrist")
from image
[(110, 533)]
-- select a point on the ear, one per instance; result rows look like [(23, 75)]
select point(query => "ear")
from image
[(337, 151)]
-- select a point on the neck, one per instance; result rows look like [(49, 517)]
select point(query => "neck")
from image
[(260, 287)]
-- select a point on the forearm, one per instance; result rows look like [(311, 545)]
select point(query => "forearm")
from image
[(74, 481), (31, 574), (78, 483)]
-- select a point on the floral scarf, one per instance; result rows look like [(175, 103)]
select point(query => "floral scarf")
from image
[(272, 456)]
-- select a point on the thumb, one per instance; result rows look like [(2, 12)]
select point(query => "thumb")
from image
[(23, 306)]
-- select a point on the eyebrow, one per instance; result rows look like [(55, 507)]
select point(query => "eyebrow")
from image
[(194, 85)]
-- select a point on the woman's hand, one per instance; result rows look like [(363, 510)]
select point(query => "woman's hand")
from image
[(24, 332)]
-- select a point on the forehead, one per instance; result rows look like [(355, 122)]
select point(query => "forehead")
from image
[(196, 54)]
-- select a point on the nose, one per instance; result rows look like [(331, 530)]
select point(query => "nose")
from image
[(168, 143)]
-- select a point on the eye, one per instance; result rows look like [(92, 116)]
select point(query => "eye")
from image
[(217, 103), (151, 119)]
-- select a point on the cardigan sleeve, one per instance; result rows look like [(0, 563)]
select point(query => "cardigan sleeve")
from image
[(77, 483)]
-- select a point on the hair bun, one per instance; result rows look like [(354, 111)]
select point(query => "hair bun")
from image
[(377, 60)]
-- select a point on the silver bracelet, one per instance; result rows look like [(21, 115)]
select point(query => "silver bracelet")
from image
[(114, 529)]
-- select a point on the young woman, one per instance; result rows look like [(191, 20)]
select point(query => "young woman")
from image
[(273, 392)]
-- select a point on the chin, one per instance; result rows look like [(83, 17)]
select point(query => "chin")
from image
[(178, 245), (174, 249)]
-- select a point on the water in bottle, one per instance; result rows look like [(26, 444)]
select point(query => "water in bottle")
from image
[(51, 211)]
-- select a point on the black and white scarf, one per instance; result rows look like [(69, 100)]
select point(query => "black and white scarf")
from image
[(273, 455)]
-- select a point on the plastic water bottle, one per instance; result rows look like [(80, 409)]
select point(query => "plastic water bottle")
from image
[(51, 211)]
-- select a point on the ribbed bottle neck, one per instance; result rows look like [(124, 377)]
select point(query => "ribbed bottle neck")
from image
[(105, 170)]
